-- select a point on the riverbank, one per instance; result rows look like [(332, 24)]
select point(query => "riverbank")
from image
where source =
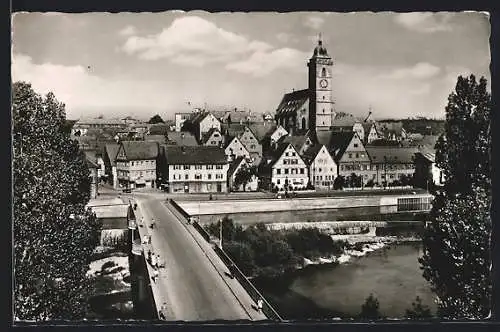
[(325, 290), (109, 275)]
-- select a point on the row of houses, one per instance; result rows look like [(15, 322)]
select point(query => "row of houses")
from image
[(283, 161)]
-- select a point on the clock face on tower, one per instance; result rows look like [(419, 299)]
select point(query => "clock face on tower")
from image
[(323, 83)]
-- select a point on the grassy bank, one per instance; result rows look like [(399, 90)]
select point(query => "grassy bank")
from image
[(259, 251)]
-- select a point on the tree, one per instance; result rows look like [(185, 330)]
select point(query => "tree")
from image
[(339, 182), (54, 235), (244, 175), (370, 309), (156, 119), (242, 255), (456, 258), (418, 310)]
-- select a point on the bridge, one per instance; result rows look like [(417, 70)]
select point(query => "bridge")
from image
[(193, 282)]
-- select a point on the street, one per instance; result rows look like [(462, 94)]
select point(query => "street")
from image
[(194, 289)]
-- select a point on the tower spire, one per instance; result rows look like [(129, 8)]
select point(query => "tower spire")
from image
[(320, 42)]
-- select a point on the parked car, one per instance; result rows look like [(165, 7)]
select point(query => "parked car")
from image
[(127, 190)]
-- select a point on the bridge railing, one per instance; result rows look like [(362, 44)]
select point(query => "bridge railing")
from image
[(267, 309)]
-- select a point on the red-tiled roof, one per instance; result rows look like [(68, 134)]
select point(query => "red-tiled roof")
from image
[(209, 134), (391, 155), (181, 138), (112, 151), (335, 142), (140, 150), (234, 165), (194, 155)]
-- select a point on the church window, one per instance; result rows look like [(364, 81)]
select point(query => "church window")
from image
[(323, 111), (323, 72), (323, 97)]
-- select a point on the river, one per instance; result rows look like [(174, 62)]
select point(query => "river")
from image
[(392, 274)]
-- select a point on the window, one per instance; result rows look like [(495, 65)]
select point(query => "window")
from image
[(357, 155), (286, 154), (323, 72), (209, 176), (278, 181), (278, 171), (286, 170), (292, 171), (177, 166), (197, 176), (350, 155), (301, 171), (216, 135), (197, 167), (132, 163), (218, 166), (187, 167), (213, 142), (355, 145), (293, 154), (186, 176), (210, 166), (286, 161), (218, 176)]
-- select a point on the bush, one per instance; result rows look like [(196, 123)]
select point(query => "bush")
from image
[(370, 309), (418, 310)]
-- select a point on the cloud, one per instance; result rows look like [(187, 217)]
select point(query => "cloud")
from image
[(83, 92), (129, 30), (262, 63), (286, 37), (393, 92), (194, 41), (314, 22), (421, 70), (425, 22)]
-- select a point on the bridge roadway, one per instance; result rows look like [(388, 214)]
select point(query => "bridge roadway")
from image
[(193, 284)]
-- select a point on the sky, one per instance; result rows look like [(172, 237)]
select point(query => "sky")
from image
[(140, 64)]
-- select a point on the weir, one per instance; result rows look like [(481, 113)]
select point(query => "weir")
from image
[(386, 203)]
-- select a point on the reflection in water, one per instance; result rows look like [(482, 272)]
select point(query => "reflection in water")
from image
[(392, 274)]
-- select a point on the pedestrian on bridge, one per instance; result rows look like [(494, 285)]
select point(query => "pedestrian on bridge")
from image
[(259, 304), (154, 262), (155, 275)]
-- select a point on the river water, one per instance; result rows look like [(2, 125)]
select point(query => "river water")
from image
[(392, 274)]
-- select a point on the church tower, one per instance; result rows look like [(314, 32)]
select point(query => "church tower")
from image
[(321, 113)]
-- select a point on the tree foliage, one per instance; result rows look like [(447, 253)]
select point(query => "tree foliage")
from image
[(244, 175), (51, 183), (156, 119), (370, 309), (259, 250), (456, 258), (418, 310)]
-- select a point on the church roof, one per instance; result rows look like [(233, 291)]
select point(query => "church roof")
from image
[(320, 50), (293, 101)]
